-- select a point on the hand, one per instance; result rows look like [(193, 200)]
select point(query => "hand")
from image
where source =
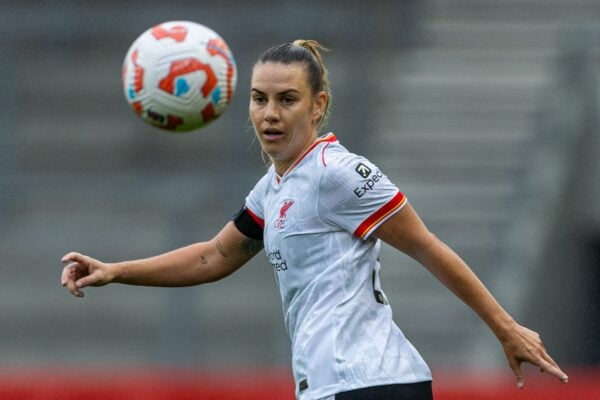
[(80, 271), (525, 345)]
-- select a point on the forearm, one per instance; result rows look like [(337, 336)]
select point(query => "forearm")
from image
[(190, 265), (456, 275), (406, 232)]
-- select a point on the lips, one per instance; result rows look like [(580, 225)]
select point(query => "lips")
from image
[(272, 134)]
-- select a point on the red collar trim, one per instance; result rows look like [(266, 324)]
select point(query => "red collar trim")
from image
[(329, 138)]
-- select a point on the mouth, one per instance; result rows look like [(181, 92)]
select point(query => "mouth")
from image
[(272, 134)]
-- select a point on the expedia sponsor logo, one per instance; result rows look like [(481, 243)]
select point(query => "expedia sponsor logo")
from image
[(368, 184), (278, 263), (363, 170)]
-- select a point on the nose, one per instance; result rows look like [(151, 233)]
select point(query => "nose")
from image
[(271, 112)]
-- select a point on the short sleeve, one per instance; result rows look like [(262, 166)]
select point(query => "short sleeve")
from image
[(249, 225), (254, 201), (356, 196)]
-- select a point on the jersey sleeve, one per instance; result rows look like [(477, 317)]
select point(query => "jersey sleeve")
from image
[(250, 220), (248, 224), (356, 196)]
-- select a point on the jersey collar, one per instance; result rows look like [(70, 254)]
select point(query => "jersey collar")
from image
[(329, 138)]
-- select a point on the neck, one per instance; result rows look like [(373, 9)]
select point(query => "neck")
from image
[(283, 166)]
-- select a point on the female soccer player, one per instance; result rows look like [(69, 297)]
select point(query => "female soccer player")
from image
[(320, 213)]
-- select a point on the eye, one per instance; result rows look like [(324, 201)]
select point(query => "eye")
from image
[(259, 99), (287, 100)]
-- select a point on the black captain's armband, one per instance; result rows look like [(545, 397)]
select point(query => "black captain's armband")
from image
[(244, 222)]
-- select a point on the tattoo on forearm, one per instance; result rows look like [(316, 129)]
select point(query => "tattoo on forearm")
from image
[(203, 260), (252, 246), (249, 247), (221, 249)]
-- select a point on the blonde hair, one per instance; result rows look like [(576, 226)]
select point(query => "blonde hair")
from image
[(308, 52)]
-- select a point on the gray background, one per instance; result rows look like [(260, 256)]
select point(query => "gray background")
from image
[(485, 113)]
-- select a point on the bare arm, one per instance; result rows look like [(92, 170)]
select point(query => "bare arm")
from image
[(406, 232), (191, 265)]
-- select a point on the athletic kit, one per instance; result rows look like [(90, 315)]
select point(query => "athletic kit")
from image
[(316, 222)]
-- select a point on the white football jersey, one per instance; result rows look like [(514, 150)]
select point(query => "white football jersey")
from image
[(317, 221)]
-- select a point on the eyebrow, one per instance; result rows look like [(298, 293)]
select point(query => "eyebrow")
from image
[(280, 93)]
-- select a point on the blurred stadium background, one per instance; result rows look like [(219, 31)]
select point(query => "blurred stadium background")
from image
[(485, 112)]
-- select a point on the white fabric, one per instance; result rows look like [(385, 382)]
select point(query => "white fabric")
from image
[(318, 219)]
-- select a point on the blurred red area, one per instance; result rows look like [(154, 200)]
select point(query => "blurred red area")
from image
[(264, 384), (584, 384)]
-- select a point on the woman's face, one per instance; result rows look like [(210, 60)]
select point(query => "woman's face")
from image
[(283, 111)]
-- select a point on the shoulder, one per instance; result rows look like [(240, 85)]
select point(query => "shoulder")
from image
[(262, 183), (342, 165), (352, 176), (256, 196)]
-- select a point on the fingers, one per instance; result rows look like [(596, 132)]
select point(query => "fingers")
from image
[(68, 280), (527, 346), (75, 257), (74, 289), (74, 262), (80, 271), (64, 277), (516, 368), (69, 267), (542, 359), (547, 364), (86, 281)]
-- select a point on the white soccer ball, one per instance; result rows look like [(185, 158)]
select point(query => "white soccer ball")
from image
[(179, 75)]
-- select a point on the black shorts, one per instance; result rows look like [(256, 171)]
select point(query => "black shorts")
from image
[(410, 391)]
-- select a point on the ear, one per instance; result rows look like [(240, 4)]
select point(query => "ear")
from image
[(319, 106)]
